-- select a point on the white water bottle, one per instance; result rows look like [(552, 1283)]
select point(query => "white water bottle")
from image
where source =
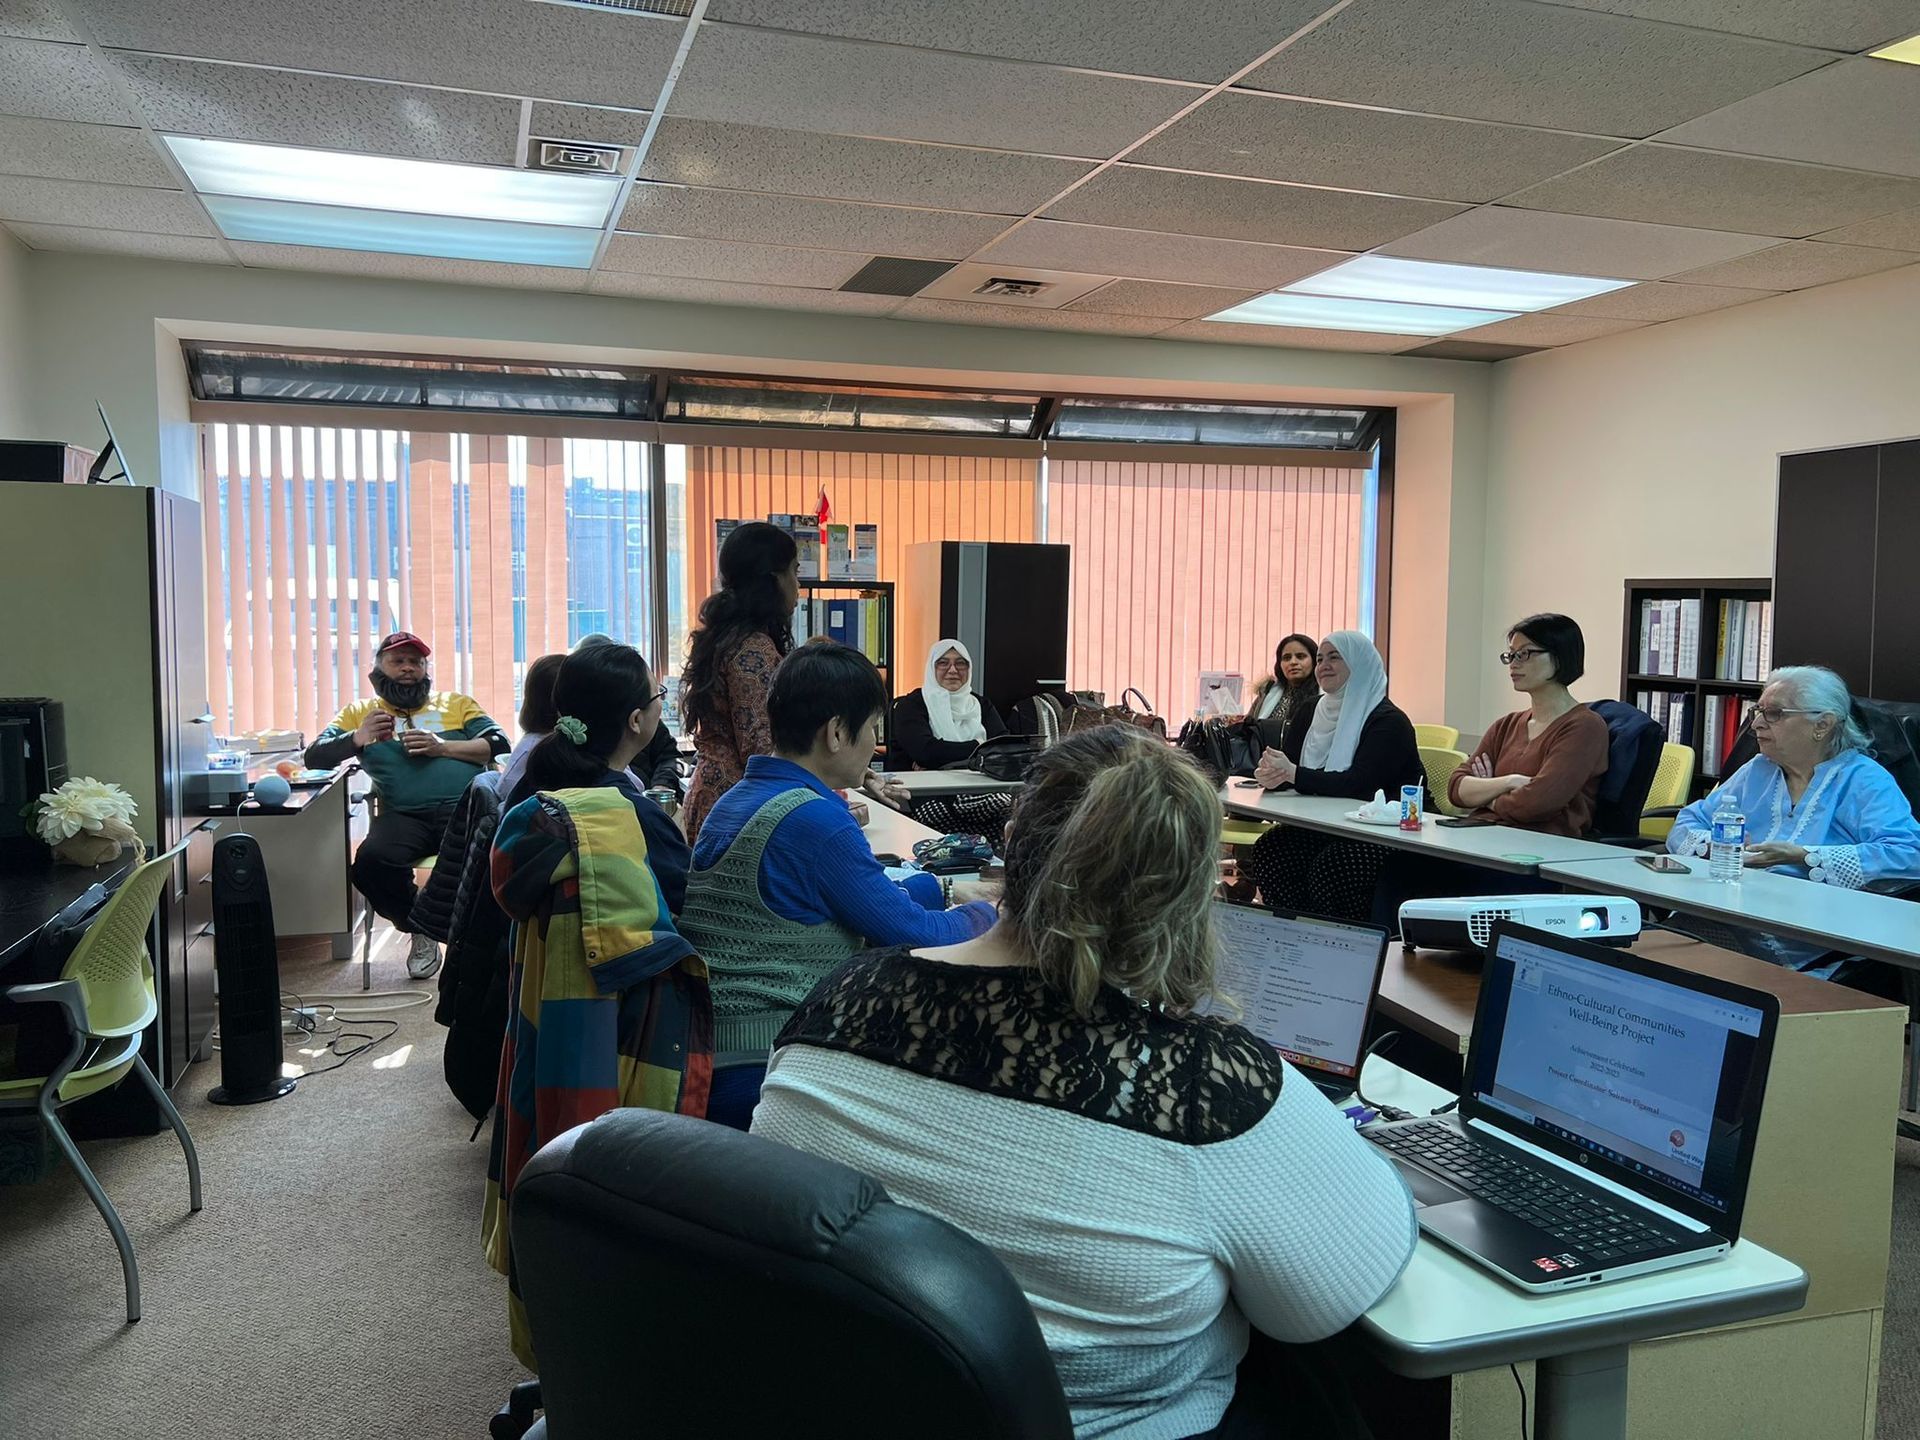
[(1727, 852)]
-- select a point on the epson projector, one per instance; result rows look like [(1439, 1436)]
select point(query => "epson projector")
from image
[(1469, 921)]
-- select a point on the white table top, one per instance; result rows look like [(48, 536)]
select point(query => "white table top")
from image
[(1881, 927), (1497, 847), (1446, 1315), (891, 831), (952, 782)]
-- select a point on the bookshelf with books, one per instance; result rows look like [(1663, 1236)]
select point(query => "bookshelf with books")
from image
[(859, 613), (1694, 656)]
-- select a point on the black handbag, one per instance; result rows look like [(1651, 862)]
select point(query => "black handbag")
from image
[(1006, 757), (1222, 747)]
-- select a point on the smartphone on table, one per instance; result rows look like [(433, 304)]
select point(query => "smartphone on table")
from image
[(1664, 864)]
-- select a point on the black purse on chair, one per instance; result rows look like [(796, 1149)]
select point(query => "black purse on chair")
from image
[(1005, 757)]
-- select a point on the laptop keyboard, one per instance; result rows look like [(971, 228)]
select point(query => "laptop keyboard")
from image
[(1575, 1216)]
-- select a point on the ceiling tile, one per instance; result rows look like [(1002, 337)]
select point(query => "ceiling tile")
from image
[(1239, 133), (1469, 350), (1527, 64), (552, 52), (1668, 186), (240, 102), (59, 82), (844, 87), (723, 260), (101, 207), (1203, 40), (595, 124), (34, 20), (840, 167), (1800, 265), (1027, 317), (1573, 244), (1829, 24), (1152, 297), (826, 224), (408, 267), (123, 242), (66, 150), (1148, 255), (1889, 232), (1291, 337), (1543, 330), (1858, 113), (722, 292), (1129, 196), (1661, 300)]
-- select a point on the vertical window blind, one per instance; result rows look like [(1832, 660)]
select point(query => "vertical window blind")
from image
[(494, 549), (1181, 568)]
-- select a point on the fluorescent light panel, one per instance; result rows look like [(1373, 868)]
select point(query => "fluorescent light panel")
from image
[(1427, 282), (1377, 317), (380, 182), (337, 227), (1906, 51)]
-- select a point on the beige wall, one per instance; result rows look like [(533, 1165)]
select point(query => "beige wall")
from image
[(109, 330), (1654, 453), (14, 349)]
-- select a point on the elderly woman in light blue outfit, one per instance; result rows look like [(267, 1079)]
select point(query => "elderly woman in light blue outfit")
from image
[(1818, 806)]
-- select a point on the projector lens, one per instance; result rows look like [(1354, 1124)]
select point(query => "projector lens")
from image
[(1592, 920)]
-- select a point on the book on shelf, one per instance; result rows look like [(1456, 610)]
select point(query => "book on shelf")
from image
[(866, 552), (839, 555), (1689, 639)]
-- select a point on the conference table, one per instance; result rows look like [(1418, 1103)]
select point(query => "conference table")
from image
[(921, 784), (1446, 1316)]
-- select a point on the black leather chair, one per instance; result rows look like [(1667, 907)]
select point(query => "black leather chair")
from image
[(686, 1280)]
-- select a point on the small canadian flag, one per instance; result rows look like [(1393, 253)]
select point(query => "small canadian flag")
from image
[(823, 512)]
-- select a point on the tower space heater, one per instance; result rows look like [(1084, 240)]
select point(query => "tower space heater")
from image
[(247, 969)]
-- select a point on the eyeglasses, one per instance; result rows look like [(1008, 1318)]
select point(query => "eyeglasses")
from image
[(1774, 714), (1514, 657), (657, 695)]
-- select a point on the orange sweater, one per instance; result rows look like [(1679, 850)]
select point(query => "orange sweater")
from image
[(1566, 761)]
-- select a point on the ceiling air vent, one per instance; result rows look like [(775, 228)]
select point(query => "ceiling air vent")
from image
[(629, 7), (892, 275), (576, 157), (1013, 289)]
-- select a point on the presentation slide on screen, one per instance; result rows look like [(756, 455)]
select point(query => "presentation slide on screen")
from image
[(1606, 1060), (1301, 987)]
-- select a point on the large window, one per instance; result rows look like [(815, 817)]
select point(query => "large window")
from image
[(495, 549)]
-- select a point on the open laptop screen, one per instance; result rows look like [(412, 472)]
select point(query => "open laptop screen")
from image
[(1302, 984), (1658, 1077)]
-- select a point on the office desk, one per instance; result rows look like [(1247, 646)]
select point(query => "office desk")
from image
[(1494, 847), (33, 896), (1446, 1316), (1829, 1112), (893, 832), (1880, 927)]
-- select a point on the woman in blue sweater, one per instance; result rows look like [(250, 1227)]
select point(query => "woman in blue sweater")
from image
[(785, 887)]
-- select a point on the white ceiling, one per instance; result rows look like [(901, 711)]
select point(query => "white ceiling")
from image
[(1190, 153)]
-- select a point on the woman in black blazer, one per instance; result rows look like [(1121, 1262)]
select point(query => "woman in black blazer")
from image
[(939, 725), (1355, 742)]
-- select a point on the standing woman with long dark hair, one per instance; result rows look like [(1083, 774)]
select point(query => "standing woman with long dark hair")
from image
[(746, 626)]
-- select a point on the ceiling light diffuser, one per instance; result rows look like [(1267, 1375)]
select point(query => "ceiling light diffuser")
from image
[(1427, 282), (339, 227), (380, 182), (1378, 317), (1906, 51)]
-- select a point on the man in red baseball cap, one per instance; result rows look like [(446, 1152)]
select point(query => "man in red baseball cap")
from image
[(421, 748)]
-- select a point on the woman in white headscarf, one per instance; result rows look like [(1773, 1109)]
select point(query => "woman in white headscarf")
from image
[(944, 721), (1357, 742)]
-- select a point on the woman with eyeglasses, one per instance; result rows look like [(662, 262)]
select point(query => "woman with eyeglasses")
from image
[(941, 724), (1818, 806), (1539, 768)]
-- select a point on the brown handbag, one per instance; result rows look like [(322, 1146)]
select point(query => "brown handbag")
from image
[(1086, 717)]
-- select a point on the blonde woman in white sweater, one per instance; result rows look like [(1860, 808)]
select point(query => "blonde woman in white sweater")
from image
[(1157, 1181)]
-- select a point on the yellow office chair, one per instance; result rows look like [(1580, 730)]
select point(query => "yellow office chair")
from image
[(1440, 737), (1440, 763), (1672, 779), (106, 992)]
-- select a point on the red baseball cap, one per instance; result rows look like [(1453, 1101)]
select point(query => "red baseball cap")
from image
[(404, 637)]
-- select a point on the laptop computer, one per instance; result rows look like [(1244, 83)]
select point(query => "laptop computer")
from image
[(1304, 984), (1607, 1117)]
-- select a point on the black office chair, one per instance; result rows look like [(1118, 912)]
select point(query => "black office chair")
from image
[(1635, 740), (683, 1279)]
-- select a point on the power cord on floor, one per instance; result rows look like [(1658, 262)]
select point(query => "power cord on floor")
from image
[(1525, 1430), (313, 1017)]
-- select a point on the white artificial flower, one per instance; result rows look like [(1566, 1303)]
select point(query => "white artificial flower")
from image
[(83, 804), (62, 816), (101, 801)]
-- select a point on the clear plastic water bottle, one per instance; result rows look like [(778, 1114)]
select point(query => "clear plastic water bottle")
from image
[(1728, 849)]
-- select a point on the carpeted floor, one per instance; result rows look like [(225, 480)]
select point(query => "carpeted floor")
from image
[(333, 1285)]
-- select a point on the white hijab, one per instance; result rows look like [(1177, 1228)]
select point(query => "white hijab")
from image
[(1337, 720), (955, 718)]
